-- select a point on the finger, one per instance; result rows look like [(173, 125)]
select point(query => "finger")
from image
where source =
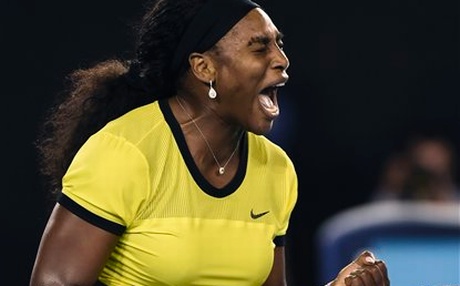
[(379, 273), (375, 274), (354, 280), (371, 276), (381, 265), (365, 258)]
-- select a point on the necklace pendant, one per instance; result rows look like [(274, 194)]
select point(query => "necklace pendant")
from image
[(221, 170)]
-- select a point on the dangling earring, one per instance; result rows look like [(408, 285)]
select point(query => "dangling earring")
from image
[(212, 92)]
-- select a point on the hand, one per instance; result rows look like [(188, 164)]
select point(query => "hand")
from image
[(365, 270)]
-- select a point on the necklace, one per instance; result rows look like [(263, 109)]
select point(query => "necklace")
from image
[(221, 169)]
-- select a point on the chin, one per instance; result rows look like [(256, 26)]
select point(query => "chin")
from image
[(263, 129)]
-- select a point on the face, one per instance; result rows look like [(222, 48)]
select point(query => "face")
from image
[(250, 67)]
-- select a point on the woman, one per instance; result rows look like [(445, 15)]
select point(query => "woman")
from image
[(167, 178)]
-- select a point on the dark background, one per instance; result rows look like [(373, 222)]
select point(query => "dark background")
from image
[(364, 76)]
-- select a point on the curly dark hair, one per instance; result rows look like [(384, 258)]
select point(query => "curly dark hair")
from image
[(105, 91)]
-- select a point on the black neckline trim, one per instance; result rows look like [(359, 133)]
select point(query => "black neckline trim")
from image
[(197, 176)]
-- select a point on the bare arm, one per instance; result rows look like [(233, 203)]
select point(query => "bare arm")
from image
[(71, 252), (277, 276)]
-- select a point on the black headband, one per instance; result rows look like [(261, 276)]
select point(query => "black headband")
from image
[(208, 26)]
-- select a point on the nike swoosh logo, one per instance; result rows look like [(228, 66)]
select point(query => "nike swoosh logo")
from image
[(258, 215)]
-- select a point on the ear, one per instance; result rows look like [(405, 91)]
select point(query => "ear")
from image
[(202, 67)]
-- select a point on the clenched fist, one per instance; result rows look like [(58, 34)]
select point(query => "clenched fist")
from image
[(365, 270)]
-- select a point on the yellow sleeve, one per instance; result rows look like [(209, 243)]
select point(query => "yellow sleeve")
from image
[(109, 178)]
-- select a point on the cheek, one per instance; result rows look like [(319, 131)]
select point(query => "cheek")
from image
[(237, 78), (240, 82), (244, 65)]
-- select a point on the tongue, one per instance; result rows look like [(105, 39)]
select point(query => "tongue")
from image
[(268, 104)]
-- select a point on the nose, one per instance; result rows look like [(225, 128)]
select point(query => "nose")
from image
[(280, 60)]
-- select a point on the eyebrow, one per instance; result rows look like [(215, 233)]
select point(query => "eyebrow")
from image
[(264, 39)]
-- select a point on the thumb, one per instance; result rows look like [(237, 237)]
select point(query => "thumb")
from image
[(365, 258)]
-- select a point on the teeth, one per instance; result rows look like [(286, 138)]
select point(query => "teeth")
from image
[(280, 84)]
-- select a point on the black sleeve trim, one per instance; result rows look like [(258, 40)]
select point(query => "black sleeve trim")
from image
[(88, 216), (280, 240)]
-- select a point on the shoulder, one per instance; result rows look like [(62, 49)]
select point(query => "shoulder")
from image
[(139, 118), (125, 137), (137, 125)]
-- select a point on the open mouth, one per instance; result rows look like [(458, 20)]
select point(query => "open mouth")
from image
[(268, 100)]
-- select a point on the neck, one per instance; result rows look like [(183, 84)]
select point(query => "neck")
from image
[(208, 139)]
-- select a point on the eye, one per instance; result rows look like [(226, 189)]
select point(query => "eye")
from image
[(262, 49)]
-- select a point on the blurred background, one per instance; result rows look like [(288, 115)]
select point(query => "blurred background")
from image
[(366, 77)]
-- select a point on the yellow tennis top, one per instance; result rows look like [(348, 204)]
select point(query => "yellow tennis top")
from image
[(136, 178)]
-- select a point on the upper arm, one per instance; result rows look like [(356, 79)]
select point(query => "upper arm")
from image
[(277, 276), (72, 251)]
